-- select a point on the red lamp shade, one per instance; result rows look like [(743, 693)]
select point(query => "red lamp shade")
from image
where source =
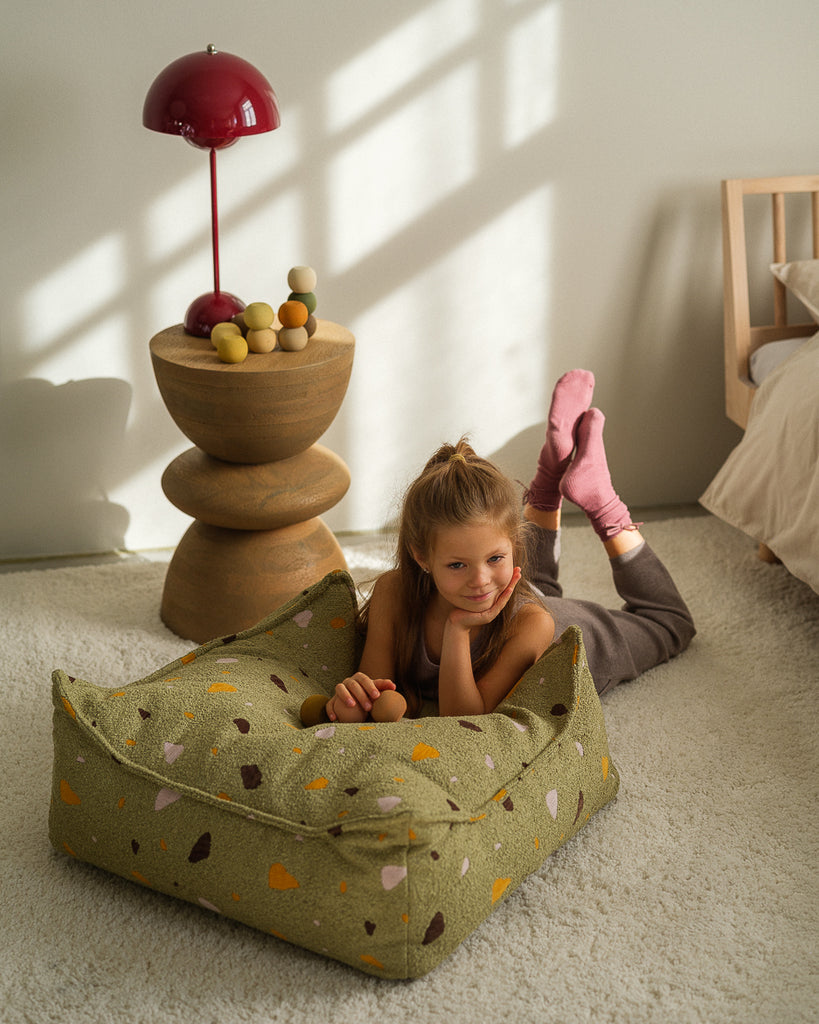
[(211, 99)]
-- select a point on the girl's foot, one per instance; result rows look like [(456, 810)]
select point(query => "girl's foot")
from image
[(570, 399), (587, 481)]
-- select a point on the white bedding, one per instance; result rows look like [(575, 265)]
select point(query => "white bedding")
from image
[(766, 359), (769, 485)]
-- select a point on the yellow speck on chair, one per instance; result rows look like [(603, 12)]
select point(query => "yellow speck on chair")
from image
[(499, 888), (67, 794), (422, 751), (280, 878)]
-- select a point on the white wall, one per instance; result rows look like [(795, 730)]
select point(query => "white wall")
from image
[(491, 192)]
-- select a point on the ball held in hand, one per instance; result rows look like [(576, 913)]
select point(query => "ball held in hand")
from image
[(313, 710), (390, 706)]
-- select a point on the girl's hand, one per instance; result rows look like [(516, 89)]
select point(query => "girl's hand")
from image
[(354, 698), (466, 619)]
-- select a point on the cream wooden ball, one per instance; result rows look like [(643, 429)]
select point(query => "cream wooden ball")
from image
[(262, 341), (293, 339), (302, 279)]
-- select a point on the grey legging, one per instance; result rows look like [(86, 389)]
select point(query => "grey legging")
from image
[(653, 625)]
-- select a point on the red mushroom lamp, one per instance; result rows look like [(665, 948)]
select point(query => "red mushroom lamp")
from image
[(211, 99)]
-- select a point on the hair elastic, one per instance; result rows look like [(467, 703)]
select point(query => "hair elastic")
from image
[(457, 457)]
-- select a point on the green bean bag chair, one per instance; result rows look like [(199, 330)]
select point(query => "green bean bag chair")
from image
[(383, 846)]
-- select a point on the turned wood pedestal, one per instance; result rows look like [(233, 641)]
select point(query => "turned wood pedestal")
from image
[(256, 482)]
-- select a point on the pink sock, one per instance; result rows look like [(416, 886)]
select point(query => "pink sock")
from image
[(570, 399), (587, 481)]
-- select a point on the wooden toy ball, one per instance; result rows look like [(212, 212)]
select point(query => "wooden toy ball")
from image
[(232, 348), (263, 340), (313, 710), (293, 339), (223, 329), (308, 298), (293, 313), (239, 320), (301, 279), (258, 316), (389, 707)]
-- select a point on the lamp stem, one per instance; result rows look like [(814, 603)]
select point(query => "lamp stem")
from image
[(214, 221)]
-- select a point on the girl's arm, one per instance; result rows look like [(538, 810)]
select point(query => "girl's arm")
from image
[(459, 693), (354, 697), (378, 656)]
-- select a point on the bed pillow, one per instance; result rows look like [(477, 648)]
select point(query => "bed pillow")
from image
[(383, 846), (765, 360), (769, 485), (801, 278)]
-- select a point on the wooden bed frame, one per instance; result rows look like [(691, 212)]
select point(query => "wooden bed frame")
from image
[(741, 339)]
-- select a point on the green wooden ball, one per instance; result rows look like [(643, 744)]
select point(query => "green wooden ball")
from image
[(308, 298)]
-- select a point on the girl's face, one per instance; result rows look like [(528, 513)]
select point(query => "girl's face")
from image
[(470, 565)]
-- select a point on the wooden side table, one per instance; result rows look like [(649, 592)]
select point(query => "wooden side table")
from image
[(256, 482)]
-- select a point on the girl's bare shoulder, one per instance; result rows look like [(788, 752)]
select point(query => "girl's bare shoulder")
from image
[(387, 590), (533, 617)]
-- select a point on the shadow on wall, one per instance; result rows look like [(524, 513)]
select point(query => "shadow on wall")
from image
[(55, 502), (518, 457), (672, 365), (661, 381)]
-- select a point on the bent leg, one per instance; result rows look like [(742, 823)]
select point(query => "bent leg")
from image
[(587, 482), (653, 626), (543, 558)]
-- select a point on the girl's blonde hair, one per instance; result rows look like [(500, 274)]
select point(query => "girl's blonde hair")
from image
[(455, 488)]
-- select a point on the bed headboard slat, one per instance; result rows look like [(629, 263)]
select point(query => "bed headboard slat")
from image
[(814, 211), (780, 250), (741, 338)]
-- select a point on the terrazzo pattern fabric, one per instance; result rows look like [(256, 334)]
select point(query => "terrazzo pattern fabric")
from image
[(383, 846)]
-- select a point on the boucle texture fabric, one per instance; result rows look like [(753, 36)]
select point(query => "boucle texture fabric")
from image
[(380, 845)]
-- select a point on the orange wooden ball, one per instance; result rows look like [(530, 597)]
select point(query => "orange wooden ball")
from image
[(293, 313), (389, 707)]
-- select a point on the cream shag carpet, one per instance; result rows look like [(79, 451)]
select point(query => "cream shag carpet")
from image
[(692, 897)]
